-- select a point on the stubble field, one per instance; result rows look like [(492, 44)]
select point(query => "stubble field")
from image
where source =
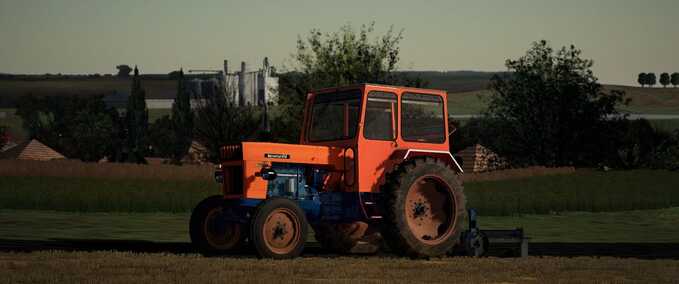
[(125, 267)]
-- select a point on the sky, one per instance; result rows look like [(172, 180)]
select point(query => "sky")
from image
[(623, 37)]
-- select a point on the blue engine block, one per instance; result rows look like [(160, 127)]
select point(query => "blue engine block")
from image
[(303, 184)]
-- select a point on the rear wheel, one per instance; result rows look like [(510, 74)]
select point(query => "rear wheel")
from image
[(209, 231), (278, 229), (423, 208)]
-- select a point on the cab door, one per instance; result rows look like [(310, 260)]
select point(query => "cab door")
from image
[(377, 139)]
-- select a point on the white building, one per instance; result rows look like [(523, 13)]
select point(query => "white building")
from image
[(251, 87), (242, 87)]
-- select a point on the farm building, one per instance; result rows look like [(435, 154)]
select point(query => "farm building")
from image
[(243, 87), (477, 159), (31, 150)]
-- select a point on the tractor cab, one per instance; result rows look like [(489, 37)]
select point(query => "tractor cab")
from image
[(377, 127)]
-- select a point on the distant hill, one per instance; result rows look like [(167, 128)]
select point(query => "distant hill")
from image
[(650, 100), (465, 88), (453, 81), (157, 87), (160, 86)]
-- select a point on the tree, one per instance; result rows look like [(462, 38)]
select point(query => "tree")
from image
[(182, 120), (347, 57), (642, 78), (335, 59), (220, 122), (162, 137), (651, 80), (124, 70), (664, 79), (674, 79), (137, 118), (550, 108), (79, 127), (90, 129)]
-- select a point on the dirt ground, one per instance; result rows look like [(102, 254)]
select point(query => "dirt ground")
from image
[(125, 267)]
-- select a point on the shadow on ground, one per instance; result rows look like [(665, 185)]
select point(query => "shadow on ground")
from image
[(625, 250)]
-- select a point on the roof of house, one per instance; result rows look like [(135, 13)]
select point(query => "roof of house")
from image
[(31, 150)]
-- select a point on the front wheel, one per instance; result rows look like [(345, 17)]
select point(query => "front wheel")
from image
[(210, 233), (423, 208), (278, 229)]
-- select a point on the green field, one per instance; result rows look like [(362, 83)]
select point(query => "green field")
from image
[(643, 100), (592, 191), (102, 194), (667, 125), (551, 208), (578, 227)]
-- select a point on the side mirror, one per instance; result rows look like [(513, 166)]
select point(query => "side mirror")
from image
[(268, 174)]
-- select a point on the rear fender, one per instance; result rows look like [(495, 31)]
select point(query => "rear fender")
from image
[(445, 156)]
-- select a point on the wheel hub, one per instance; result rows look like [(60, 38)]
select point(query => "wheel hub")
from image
[(279, 231), (419, 209)]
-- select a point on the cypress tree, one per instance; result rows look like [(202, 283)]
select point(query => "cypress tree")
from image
[(182, 120), (137, 117)]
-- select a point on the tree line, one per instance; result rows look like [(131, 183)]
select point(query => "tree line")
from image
[(548, 110), (649, 79)]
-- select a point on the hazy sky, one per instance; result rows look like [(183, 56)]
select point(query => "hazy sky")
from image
[(624, 37)]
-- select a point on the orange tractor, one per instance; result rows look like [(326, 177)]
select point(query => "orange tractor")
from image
[(373, 163)]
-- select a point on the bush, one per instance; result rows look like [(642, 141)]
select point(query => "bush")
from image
[(666, 155)]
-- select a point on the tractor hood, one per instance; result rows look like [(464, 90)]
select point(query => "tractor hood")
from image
[(283, 153)]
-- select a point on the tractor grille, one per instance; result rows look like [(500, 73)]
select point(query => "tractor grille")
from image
[(232, 152), (233, 180)]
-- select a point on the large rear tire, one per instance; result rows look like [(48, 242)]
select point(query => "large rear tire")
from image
[(210, 234), (278, 229), (423, 207)]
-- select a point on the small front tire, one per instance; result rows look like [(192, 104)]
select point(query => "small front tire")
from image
[(278, 229)]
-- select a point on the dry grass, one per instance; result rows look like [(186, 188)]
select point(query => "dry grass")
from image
[(122, 267), (74, 168), (516, 173)]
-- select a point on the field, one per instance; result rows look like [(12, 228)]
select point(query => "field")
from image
[(584, 190), (592, 191), (115, 223), (569, 227), (125, 267), (643, 100), (155, 88)]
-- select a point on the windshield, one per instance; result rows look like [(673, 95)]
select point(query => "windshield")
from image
[(334, 116)]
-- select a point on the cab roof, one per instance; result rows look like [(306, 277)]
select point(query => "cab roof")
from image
[(381, 86)]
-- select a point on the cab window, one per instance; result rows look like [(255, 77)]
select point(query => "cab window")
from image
[(422, 118), (379, 116), (334, 116)]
